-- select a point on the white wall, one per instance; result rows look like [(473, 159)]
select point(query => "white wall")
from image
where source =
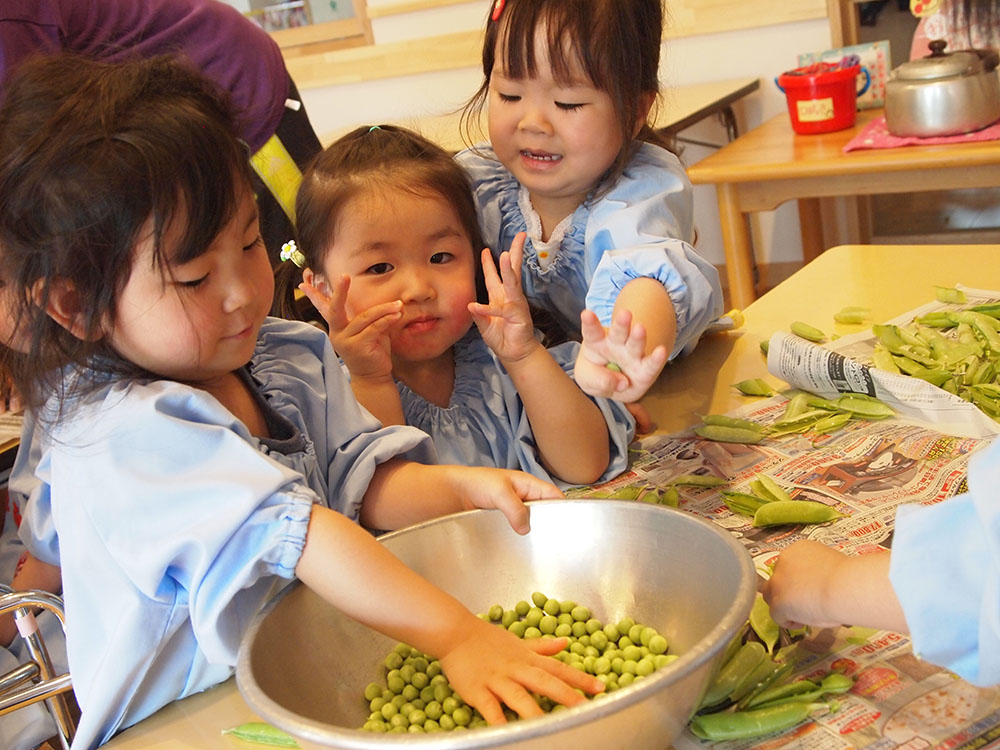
[(763, 52)]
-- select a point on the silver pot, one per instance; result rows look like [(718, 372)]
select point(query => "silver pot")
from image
[(943, 93)]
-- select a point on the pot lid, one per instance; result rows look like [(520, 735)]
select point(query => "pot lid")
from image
[(940, 64)]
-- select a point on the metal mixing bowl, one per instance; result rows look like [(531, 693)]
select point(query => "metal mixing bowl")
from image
[(303, 665)]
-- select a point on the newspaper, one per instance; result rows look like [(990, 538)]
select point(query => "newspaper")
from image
[(865, 470)]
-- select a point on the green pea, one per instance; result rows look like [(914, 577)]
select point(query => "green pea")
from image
[(634, 633), (613, 366), (617, 665), (611, 631), (462, 716), (551, 607), (508, 617), (632, 653), (521, 608), (389, 710), (646, 635), (372, 690), (395, 683), (410, 692), (433, 710), (375, 704), (626, 679), (532, 633), (495, 612), (398, 701), (427, 694), (624, 642), (533, 617), (593, 625), (539, 599), (548, 624), (393, 660), (580, 613), (420, 680), (449, 704), (658, 644), (442, 693), (431, 726), (565, 618), (645, 667), (599, 640), (518, 628), (402, 649), (579, 629)]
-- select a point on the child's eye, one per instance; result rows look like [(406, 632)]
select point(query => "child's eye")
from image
[(508, 97), (441, 257), (257, 242), (194, 283), (569, 106), (379, 268)]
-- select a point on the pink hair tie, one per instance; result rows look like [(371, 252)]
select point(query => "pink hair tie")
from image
[(498, 9)]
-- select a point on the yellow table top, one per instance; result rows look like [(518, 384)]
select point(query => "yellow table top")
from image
[(889, 279)]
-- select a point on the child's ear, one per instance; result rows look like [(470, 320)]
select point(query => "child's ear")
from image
[(64, 307), (316, 280), (645, 104)]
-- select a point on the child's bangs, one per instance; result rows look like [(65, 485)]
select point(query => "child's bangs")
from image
[(566, 26)]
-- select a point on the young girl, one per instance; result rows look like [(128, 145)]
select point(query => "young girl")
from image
[(189, 447), (387, 227), (573, 162), (940, 583)]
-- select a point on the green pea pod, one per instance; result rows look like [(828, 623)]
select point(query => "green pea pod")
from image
[(742, 503), (764, 345), (626, 493), (950, 294), (853, 315), (937, 319), (754, 387), (763, 624), (723, 434), (883, 360), (775, 678), (808, 332), (794, 511), (698, 480), (818, 402), (724, 420), (832, 423), (867, 408), (993, 309), (782, 693), (733, 672), (889, 337), (798, 404), (774, 490), (261, 733), (748, 684), (670, 497), (740, 725)]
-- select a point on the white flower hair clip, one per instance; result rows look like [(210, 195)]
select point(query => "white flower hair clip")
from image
[(290, 251)]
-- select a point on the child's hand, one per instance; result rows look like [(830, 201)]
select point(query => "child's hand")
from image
[(362, 342), (505, 323), (622, 346), (797, 592), (490, 666), (501, 489)]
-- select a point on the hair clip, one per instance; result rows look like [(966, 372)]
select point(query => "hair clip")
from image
[(290, 251), (374, 127), (498, 9)]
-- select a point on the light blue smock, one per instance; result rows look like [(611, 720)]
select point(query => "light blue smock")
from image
[(175, 525), (486, 424), (642, 227), (945, 570)]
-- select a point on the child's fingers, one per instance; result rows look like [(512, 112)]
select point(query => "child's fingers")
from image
[(490, 275), (515, 511), (621, 327), (517, 699), (517, 255), (376, 319), (590, 327)]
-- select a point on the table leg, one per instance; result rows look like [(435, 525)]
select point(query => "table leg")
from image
[(811, 228), (737, 246)]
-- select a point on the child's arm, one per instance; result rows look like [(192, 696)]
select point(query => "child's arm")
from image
[(554, 404), (486, 664), (31, 573), (614, 363), (363, 344), (816, 585), (402, 493)]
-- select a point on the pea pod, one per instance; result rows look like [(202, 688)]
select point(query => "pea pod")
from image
[(761, 673), (763, 624), (263, 734), (794, 511), (774, 490), (865, 407), (724, 420), (670, 497), (733, 672), (834, 683), (882, 358), (738, 725), (724, 434), (832, 423), (950, 294), (741, 502), (852, 315), (754, 387), (808, 332), (772, 695), (698, 480)]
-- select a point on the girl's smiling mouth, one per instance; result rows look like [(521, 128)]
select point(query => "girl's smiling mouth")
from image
[(540, 158), (421, 324)]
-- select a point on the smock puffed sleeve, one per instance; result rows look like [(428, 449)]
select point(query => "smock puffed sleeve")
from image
[(945, 570), (642, 228)]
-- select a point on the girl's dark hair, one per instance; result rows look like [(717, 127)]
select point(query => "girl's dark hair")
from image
[(616, 42), (91, 155), (387, 158)]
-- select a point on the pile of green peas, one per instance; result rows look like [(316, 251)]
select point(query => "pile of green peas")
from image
[(417, 697)]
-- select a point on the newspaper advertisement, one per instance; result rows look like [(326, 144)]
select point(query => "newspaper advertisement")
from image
[(865, 470)]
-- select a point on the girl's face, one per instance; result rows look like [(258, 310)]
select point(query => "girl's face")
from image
[(398, 245), (557, 139), (199, 320)]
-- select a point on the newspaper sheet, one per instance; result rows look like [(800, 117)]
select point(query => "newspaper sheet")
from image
[(866, 471)]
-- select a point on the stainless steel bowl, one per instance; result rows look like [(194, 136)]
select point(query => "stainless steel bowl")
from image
[(303, 665)]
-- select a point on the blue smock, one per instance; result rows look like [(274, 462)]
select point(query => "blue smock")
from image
[(641, 227), (174, 525)]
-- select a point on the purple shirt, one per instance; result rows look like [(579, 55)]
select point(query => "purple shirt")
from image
[(227, 47)]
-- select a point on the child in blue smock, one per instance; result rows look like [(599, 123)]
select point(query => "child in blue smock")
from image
[(194, 456), (940, 583), (388, 234), (573, 162)]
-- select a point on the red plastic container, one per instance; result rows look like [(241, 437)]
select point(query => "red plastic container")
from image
[(822, 100)]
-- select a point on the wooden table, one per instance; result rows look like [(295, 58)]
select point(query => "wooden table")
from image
[(772, 164), (681, 107), (698, 384)]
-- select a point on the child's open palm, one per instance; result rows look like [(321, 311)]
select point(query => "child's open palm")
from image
[(505, 323), (631, 371), (363, 341)]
